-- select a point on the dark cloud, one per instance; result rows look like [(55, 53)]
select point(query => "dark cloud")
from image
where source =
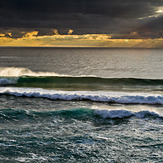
[(83, 16), (46, 8), (153, 28)]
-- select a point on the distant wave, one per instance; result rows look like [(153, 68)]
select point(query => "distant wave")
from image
[(97, 96), (78, 113), (26, 75), (23, 77), (88, 80), (66, 81)]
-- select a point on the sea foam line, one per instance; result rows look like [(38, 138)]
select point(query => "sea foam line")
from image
[(96, 96)]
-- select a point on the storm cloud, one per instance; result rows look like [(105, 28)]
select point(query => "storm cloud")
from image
[(117, 17)]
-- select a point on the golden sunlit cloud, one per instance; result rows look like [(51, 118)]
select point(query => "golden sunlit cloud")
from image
[(70, 31), (32, 39), (31, 34), (56, 32), (10, 34), (2, 35)]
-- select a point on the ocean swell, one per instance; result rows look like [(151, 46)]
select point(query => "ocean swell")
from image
[(26, 77), (76, 113)]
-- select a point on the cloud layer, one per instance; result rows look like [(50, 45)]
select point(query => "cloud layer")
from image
[(88, 40)]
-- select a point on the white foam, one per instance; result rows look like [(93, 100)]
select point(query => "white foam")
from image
[(98, 96), (124, 114), (113, 113), (4, 81)]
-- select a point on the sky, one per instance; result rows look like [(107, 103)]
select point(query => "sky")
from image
[(108, 23)]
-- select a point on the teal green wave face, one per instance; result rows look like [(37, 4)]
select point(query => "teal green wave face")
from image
[(84, 83)]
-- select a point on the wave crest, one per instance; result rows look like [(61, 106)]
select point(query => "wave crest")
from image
[(112, 114), (96, 96)]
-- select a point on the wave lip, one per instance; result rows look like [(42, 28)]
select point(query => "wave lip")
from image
[(96, 96), (18, 72)]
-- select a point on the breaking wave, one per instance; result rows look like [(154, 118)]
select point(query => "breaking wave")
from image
[(125, 114), (96, 96), (23, 77), (17, 72), (77, 113)]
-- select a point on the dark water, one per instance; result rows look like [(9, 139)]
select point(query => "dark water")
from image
[(81, 105), (39, 130)]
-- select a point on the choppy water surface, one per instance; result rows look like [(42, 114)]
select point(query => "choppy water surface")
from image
[(81, 105)]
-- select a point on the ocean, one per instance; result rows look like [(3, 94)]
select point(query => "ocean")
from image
[(81, 105)]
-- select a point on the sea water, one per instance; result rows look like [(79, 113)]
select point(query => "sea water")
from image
[(81, 105)]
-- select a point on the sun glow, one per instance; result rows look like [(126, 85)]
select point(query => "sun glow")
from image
[(160, 10)]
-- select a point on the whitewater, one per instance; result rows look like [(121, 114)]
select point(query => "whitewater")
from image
[(110, 97)]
